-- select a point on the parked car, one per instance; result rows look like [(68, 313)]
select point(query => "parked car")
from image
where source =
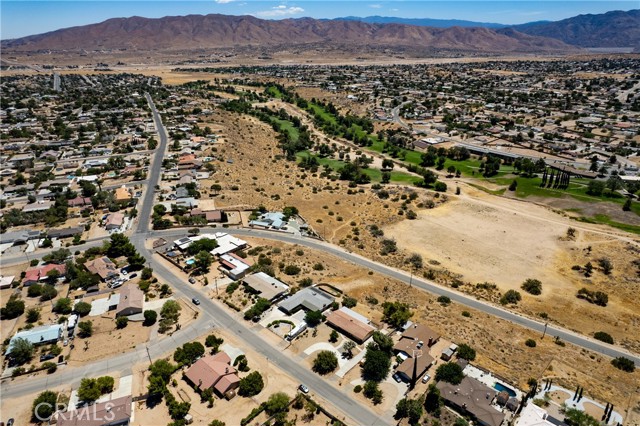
[(396, 377), (192, 280), (10, 422), (66, 342), (124, 272), (46, 357), (426, 378), (195, 301), (133, 275), (302, 388)]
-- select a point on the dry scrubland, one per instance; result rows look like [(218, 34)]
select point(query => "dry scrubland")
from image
[(472, 238)]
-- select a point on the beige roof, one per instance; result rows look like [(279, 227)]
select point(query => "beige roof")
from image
[(209, 371), (268, 287), (350, 325), (122, 194), (131, 297), (111, 412), (102, 266), (114, 219), (412, 336), (474, 397)]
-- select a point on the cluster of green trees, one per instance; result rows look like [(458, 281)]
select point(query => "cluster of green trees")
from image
[(92, 389)]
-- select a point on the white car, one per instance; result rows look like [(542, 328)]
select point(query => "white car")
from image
[(426, 378)]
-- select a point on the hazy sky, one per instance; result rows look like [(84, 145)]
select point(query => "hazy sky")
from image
[(26, 17)]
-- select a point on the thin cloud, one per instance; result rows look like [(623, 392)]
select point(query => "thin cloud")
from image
[(375, 6), (281, 10), (224, 1)]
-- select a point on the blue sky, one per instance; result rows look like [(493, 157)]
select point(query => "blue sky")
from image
[(25, 17)]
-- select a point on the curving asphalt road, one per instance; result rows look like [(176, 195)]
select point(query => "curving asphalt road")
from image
[(213, 314)]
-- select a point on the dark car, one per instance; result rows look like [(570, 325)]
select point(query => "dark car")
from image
[(195, 301), (192, 280), (10, 422), (47, 357), (302, 388)]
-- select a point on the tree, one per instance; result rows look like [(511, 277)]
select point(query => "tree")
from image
[(62, 306), (376, 364), (313, 318), (627, 205), (146, 273), (48, 292), (372, 391), (396, 314), (43, 406), (624, 364), (203, 261), (82, 308), (121, 322), (532, 285), (212, 341), (277, 405), (34, 290), (606, 265), (387, 164), (511, 297), (150, 317), (466, 352), (382, 342), (86, 328), (433, 400), (449, 372), (203, 244), (251, 385), (171, 311), (13, 309), (348, 347), (33, 315), (349, 302), (411, 408), (188, 353), (325, 362), (333, 337), (57, 256), (603, 337), (575, 417), (162, 369), (21, 351), (595, 188), (89, 390)]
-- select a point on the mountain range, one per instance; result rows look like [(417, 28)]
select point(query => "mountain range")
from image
[(613, 29)]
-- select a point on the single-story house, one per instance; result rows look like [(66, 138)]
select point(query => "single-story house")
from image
[(43, 335), (114, 221), (532, 415), (116, 412), (270, 220), (131, 301), (414, 337), (227, 244), (6, 282), (102, 266), (310, 299), (214, 371), (37, 207), (122, 194), (213, 216), (265, 285), (79, 202), (19, 237), (473, 398), (234, 266), (65, 232), (32, 276), (418, 363), (351, 324)]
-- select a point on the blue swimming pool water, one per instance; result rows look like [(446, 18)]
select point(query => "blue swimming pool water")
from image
[(190, 261), (500, 387)]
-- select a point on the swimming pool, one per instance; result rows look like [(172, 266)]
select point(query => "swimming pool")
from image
[(190, 261), (500, 387)]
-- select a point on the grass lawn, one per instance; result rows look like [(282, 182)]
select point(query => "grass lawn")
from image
[(324, 115), (374, 174), (287, 125), (274, 92)]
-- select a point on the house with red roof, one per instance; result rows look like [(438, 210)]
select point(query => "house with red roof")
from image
[(33, 275)]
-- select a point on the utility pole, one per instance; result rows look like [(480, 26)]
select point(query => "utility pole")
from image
[(545, 329), (148, 355), (411, 278)]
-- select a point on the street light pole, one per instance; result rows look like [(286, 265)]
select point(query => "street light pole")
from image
[(545, 330)]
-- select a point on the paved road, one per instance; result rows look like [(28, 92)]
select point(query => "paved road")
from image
[(56, 82), (431, 287)]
